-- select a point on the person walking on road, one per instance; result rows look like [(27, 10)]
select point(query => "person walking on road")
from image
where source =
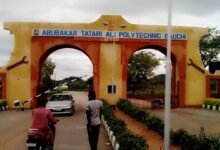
[(93, 113)]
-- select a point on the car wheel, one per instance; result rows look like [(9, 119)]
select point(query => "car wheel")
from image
[(72, 112)]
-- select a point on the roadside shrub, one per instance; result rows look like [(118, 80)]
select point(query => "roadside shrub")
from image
[(215, 142), (183, 138), (155, 124), (132, 110), (129, 141), (203, 140), (217, 104), (193, 142), (212, 102), (209, 102), (3, 102), (115, 124), (126, 139)]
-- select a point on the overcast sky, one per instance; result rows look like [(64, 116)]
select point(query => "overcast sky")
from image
[(200, 13)]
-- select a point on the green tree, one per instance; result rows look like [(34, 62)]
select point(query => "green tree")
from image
[(141, 66), (210, 46), (48, 70), (79, 84), (89, 83), (74, 83), (158, 79)]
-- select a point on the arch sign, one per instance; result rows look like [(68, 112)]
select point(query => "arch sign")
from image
[(109, 34), (106, 34)]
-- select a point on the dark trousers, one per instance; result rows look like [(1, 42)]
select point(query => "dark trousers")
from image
[(53, 129), (93, 133)]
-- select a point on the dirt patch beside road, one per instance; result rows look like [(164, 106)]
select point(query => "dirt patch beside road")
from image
[(154, 140)]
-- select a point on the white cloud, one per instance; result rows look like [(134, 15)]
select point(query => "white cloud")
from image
[(199, 8), (6, 46), (71, 62)]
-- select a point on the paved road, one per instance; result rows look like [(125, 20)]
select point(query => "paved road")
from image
[(13, 128), (71, 130), (192, 119)]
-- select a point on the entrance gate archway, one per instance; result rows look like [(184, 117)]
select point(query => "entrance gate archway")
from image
[(149, 88), (42, 54), (41, 88), (98, 40), (177, 62)]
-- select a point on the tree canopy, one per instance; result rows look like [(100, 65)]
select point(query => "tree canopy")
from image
[(48, 70), (158, 79), (210, 46), (74, 83), (141, 66)]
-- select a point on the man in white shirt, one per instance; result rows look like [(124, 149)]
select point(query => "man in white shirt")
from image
[(93, 113)]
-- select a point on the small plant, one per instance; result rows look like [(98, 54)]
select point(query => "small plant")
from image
[(132, 110), (212, 102), (155, 124), (3, 104), (217, 104), (184, 139), (193, 142), (132, 142)]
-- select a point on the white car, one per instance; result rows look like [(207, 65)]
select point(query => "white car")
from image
[(62, 103)]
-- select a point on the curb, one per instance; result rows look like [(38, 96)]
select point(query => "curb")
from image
[(111, 136), (209, 107), (3, 108)]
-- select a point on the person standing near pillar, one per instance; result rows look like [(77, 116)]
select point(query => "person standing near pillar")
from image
[(93, 113)]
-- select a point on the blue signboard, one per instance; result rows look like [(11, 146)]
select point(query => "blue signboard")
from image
[(107, 34)]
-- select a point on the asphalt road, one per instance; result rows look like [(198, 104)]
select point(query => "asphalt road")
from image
[(190, 119), (193, 119), (71, 130)]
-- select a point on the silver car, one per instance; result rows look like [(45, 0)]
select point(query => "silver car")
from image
[(62, 103)]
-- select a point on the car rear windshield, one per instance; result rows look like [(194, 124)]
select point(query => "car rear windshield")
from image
[(60, 98)]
